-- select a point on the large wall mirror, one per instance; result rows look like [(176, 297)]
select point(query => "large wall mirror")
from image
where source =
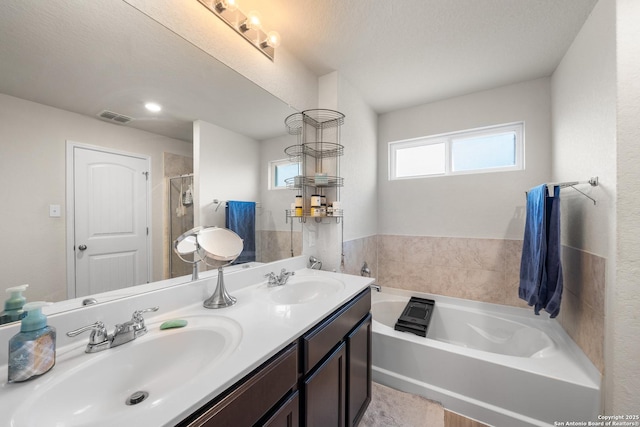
[(61, 65)]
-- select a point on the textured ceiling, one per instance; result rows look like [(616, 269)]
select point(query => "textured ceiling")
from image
[(102, 54), (400, 53)]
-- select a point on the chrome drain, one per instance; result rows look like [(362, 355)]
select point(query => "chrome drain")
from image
[(136, 398)]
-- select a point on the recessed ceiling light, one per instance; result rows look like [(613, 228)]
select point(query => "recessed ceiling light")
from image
[(152, 106)]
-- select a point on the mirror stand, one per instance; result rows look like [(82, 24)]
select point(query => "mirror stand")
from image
[(220, 297)]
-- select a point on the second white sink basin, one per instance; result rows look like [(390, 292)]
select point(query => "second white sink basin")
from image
[(303, 289), (100, 388)]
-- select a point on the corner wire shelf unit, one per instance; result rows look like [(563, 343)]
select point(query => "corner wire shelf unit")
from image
[(297, 182), (318, 151), (318, 119)]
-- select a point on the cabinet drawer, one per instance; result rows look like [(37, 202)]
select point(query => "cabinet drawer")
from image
[(260, 392), (320, 340)]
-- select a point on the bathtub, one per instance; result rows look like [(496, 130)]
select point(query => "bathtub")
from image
[(500, 365)]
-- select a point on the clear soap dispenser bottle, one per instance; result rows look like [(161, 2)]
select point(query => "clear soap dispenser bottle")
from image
[(32, 352), (13, 310)]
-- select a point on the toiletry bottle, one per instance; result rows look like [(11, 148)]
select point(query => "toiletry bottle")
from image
[(13, 305), (32, 352)]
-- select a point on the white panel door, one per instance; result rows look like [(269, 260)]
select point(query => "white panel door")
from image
[(110, 212)]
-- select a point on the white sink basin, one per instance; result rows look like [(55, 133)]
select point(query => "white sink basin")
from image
[(93, 389), (303, 289)]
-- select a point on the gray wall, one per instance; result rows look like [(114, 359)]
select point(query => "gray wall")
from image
[(489, 205)]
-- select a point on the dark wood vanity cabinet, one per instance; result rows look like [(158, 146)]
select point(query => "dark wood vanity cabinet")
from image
[(321, 380), (359, 371), (265, 394), (336, 366)]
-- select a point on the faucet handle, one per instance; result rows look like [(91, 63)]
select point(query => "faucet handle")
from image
[(98, 332), (285, 273), (138, 313), (272, 278), (138, 320)]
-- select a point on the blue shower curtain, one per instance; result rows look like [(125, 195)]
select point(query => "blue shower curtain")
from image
[(241, 219)]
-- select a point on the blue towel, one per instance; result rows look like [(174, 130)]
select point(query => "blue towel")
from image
[(241, 219), (554, 281), (540, 266), (534, 248)]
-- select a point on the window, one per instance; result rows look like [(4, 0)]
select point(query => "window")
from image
[(490, 149), (279, 171)]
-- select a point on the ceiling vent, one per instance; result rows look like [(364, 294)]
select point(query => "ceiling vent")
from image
[(114, 117)]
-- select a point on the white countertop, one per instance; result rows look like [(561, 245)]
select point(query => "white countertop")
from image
[(266, 329)]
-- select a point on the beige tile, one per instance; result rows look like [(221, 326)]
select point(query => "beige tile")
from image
[(484, 254), (449, 252), (390, 247), (585, 325)]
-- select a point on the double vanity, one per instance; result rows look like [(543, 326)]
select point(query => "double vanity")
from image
[(295, 354)]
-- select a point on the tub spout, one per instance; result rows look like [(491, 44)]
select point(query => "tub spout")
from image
[(315, 262), (375, 287)]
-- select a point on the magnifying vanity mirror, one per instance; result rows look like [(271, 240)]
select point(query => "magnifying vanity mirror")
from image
[(216, 247), (89, 57), (187, 249), (220, 247)]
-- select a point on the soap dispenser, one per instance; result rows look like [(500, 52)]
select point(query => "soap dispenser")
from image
[(32, 352), (13, 305)]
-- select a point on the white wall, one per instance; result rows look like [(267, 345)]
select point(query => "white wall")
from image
[(275, 202), (358, 167), (489, 205), (226, 167), (32, 171), (584, 145), (623, 298), (359, 164), (584, 133)]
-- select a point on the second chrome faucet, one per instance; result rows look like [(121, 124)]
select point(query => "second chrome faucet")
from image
[(281, 279), (123, 333)]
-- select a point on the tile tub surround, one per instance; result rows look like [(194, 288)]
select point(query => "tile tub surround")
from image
[(488, 270), (358, 251), (276, 245)]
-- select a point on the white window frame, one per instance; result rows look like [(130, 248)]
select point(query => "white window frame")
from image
[(272, 172), (448, 138)]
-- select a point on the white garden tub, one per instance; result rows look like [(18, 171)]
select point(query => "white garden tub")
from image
[(500, 365)]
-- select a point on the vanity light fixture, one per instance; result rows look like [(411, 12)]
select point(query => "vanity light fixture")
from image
[(249, 26)]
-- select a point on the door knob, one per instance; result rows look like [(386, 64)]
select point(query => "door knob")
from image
[(82, 247)]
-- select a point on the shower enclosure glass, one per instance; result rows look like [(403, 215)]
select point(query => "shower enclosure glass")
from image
[(180, 218)]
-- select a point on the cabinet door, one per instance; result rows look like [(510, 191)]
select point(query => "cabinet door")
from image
[(288, 415), (325, 392), (257, 394), (358, 371)]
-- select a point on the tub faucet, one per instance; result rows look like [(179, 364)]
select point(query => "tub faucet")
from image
[(281, 279), (315, 262), (375, 287)]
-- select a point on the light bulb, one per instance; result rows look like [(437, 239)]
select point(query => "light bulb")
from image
[(253, 20), (228, 5), (273, 39)]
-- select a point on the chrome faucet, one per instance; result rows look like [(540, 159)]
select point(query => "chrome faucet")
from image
[(281, 279), (315, 262), (123, 333)]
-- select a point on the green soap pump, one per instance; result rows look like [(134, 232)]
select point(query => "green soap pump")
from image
[(32, 352), (13, 306)]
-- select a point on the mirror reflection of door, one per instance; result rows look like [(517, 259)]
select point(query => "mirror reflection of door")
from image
[(110, 212)]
